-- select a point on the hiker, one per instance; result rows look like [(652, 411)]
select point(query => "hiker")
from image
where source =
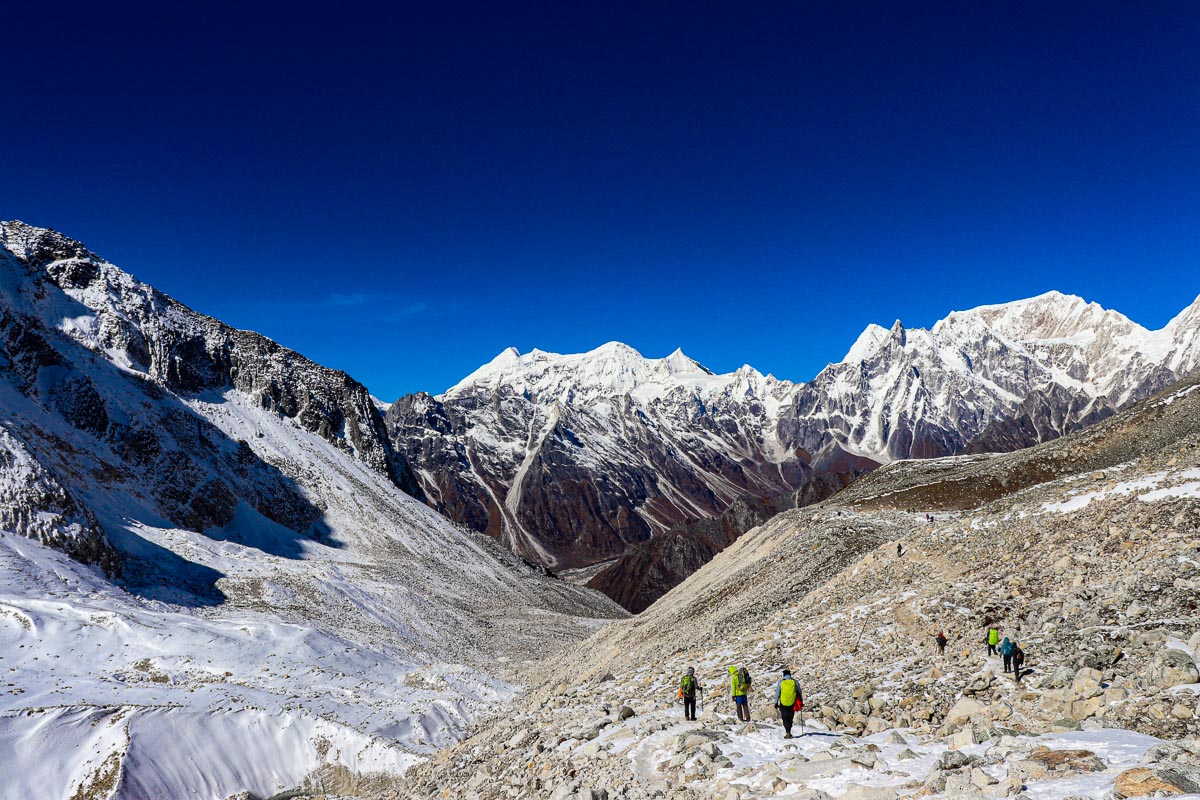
[(1006, 648), (941, 643), (739, 686), (788, 699), (688, 686), (992, 639), (899, 549), (1018, 661)]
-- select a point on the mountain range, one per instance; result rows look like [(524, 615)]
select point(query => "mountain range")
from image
[(604, 461), (201, 528)]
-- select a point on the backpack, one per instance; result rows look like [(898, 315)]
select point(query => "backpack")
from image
[(744, 677), (687, 685)]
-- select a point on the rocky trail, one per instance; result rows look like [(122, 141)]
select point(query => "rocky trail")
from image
[(1096, 572)]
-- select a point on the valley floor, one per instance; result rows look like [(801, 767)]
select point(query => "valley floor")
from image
[(1096, 573)]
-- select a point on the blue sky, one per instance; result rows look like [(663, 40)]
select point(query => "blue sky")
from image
[(404, 194)]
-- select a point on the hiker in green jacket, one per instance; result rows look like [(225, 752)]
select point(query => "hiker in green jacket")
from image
[(993, 639), (739, 686), (688, 686), (788, 699)]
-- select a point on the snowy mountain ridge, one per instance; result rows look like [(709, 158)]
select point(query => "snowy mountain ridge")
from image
[(651, 443), (609, 371)]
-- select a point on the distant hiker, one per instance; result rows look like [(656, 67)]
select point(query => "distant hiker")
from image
[(1018, 661), (992, 639), (941, 643), (1006, 649), (739, 686), (688, 686), (899, 549), (788, 699)]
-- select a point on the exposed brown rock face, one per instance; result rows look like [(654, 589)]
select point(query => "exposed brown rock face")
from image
[(649, 570), (573, 460)]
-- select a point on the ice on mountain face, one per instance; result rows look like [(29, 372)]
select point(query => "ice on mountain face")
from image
[(867, 344), (995, 373)]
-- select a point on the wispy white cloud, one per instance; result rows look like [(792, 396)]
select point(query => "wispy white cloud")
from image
[(351, 299)]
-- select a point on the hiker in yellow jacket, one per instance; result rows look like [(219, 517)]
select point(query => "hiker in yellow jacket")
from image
[(992, 640), (739, 687), (788, 699)]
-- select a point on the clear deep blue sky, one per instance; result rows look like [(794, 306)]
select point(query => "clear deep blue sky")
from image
[(403, 194)]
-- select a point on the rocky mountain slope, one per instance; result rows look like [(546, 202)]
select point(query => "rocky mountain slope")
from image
[(1085, 550), (573, 460), (202, 531), (570, 460)]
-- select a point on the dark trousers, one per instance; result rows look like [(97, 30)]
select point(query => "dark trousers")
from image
[(1008, 663), (991, 649), (689, 706), (789, 716), (743, 708), (941, 648), (1017, 669)]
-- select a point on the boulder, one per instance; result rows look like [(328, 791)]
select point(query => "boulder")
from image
[(799, 773), (1067, 761), (856, 792), (952, 759), (964, 711), (1167, 781), (1086, 683), (1171, 667)]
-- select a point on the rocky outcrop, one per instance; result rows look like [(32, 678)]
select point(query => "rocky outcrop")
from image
[(178, 349), (35, 504), (105, 382)]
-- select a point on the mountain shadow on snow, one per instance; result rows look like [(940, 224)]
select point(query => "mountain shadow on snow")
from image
[(100, 382)]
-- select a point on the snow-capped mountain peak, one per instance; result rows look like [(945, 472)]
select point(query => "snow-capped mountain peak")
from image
[(867, 344), (1053, 316), (611, 370)]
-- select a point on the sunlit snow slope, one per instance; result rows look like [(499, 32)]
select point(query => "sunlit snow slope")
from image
[(210, 578)]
